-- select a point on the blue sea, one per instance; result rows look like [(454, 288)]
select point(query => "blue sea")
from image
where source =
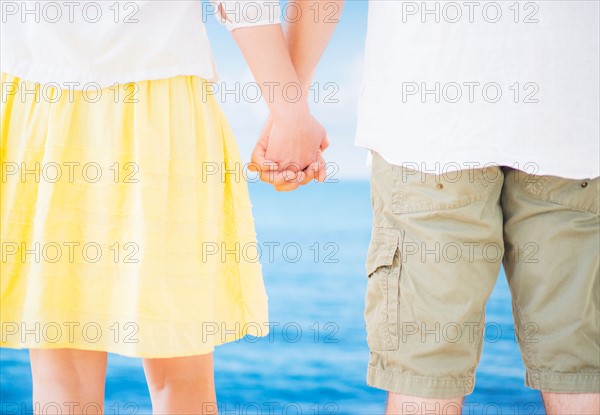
[(313, 247)]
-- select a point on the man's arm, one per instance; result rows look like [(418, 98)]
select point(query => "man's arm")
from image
[(295, 136), (307, 38)]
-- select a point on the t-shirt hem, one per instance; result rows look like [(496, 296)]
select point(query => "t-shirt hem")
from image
[(79, 80), (450, 163)]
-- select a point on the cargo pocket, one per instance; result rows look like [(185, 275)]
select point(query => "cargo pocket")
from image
[(383, 290)]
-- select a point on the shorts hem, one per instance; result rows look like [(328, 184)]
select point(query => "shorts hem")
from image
[(563, 382), (419, 386)]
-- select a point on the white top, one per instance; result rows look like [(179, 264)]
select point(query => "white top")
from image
[(107, 42), (451, 85)]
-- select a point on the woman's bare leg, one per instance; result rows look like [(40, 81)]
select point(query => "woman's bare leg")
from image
[(68, 381), (182, 385)]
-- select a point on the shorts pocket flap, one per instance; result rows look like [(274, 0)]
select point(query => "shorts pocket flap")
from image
[(576, 194), (382, 249)]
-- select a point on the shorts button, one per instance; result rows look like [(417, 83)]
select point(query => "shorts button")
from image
[(584, 184), (439, 186)]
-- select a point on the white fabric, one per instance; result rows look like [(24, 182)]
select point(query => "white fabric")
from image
[(78, 43), (550, 48)]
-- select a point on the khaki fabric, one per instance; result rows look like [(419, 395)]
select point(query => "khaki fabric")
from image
[(437, 245)]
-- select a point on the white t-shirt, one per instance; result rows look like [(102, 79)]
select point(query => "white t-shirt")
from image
[(77, 43), (450, 85)]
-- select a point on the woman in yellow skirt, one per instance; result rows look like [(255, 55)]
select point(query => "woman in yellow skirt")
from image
[(119, 208)]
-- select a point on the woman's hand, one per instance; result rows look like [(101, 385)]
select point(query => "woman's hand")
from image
[(288, 175)]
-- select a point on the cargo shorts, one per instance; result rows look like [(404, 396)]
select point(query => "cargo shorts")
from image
[(437, 245)]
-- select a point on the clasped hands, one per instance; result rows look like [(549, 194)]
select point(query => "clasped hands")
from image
[(289, 151)]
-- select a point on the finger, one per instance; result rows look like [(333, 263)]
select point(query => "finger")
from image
[(259, 162), (311, 172), (325, 143), (288, 178), (270, 176), (289, 185), (263, 166), (310, 176), (281, 178), (322, 173)]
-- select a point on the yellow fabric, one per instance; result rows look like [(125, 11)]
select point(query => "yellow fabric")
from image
[(126, 223)]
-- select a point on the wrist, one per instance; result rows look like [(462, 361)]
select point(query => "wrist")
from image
[(286, 109), (304, 79)]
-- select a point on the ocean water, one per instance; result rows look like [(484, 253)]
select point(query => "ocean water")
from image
[(313, 247)]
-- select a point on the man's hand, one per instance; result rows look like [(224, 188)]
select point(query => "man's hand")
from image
[(294, 139), (288, 179)]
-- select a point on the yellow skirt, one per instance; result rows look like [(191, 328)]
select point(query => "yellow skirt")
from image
[(126, 224)]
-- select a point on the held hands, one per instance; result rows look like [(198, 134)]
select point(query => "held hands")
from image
[(288, 153), (289, 150)]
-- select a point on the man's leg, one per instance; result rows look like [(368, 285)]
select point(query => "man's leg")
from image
[(571, 403), (552, 236), (404, 405), (432, 263)]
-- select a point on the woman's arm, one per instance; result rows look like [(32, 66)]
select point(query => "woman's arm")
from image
[(295, 136), (307, 38)]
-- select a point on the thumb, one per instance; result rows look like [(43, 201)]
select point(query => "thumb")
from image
[(259, 162), (325, 143)]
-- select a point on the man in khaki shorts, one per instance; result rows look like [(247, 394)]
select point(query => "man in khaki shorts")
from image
[(433, 262), (484, 135), (482, 122)]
